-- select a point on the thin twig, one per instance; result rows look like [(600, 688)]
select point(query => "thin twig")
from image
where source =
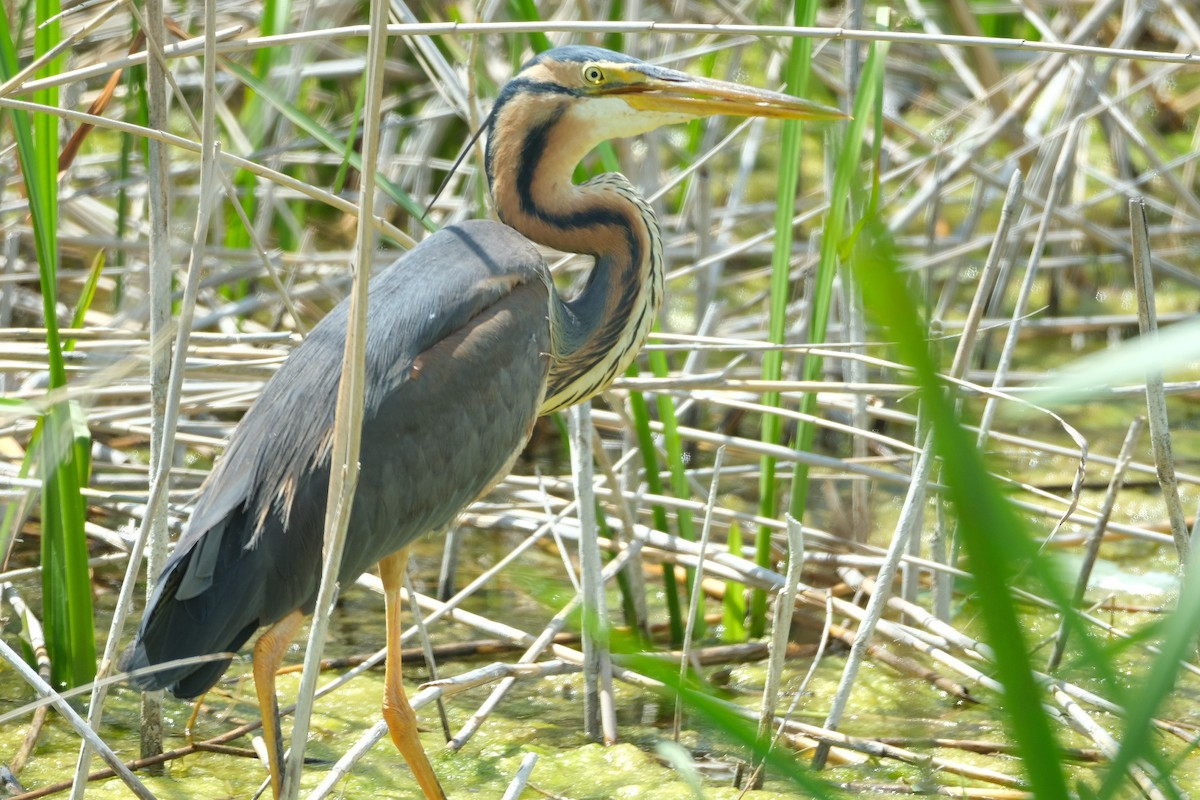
[(548, 636), (80, 726), (781, 628), (347, 425), (1062, 170), (427, 650), (599, 716), (1096, 537), (161, 368), (904, 528), (35, 635), (170, 370), (1156, 401), (695, 592)]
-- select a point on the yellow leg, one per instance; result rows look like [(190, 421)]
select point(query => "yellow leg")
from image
[(190, 727), (268, 655), (399, 715)]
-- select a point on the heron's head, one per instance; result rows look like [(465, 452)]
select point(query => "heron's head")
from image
[(576, 97)]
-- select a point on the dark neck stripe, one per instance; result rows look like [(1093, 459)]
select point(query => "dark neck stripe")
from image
[(599, 325), (515, 88), (532, 149)]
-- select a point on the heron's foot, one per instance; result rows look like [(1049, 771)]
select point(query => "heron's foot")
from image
[(189, 728), (268, 655), (397, 711), (402, 725)]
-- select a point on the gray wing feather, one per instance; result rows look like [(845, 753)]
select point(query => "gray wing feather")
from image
[(457, 358)]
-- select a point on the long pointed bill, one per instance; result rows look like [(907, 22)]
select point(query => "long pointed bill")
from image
[(666, 90)]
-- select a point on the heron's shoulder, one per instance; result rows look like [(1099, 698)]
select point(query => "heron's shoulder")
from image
[(442, 284), (459, 270), (495, 245)]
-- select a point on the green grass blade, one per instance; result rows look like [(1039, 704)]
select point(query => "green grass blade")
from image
[(640, 411), (721, 717), (527, 10), (274, 20), (997, 548), (339, 180), (838, 237), (1157, 684), (15, 513), (616, 13), (254, 121), (673, 444), (137, 111), (798, 71), (86, 296), (678, 469), (733, 618), (66, 582), (1171, 348)]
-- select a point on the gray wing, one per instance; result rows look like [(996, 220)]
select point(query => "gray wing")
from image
[(457, 359)]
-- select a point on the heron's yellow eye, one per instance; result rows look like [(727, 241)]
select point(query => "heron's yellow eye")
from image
[(593, 74)]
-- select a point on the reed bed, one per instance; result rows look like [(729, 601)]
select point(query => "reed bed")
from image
[(885, 446)]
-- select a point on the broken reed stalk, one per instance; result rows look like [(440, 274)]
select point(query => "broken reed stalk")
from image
[(781, 628), (909, 514), (32, 628), (632, 581), (695, 591), (600, 718), (942, 550), (169, 367), (1062, 171), (1156, 400), (426, 649), (528, 762), (348, 416), (90, 737), (159, 295)]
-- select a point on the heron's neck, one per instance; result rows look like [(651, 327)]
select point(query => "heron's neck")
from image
[(598, 332)]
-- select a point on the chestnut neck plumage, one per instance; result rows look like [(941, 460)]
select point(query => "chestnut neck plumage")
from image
[(534, 145)]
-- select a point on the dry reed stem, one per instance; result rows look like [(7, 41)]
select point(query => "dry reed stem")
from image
[(1156, 402), (347, 423), (1096, 537), (90, 738), (694, 592), (599, 715)]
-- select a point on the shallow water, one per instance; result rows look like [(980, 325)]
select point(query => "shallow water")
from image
[(543, 717)]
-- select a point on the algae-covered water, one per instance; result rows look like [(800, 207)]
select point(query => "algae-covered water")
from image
[(544, 717)]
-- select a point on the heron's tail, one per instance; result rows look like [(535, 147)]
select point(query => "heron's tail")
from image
[(189, 621)]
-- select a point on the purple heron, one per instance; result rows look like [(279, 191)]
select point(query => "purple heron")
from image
[(468, 343)]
